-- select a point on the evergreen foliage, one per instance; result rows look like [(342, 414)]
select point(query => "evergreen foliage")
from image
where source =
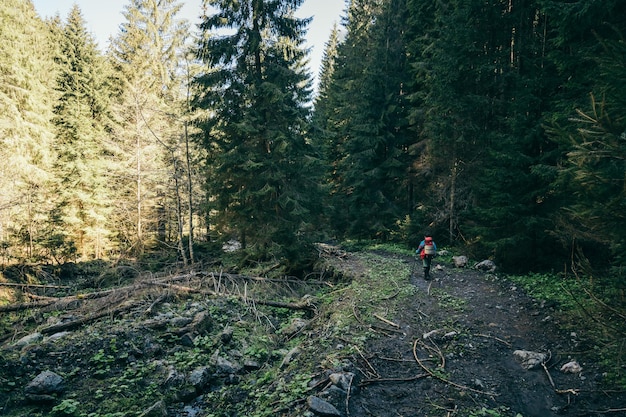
[(147, 56), (496, 125), (26, 135), (258, 90), (79, 219)]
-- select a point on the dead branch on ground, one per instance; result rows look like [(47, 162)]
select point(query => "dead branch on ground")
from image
[(87, 319), (442, 379), (305, 305)]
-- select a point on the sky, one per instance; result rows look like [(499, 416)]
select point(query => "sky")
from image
[(104, 17)]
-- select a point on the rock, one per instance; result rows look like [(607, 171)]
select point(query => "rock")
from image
[(201, 324), (486, 266), (342, 380), (28, 340), (156, 410), (44, 387), (431, 334), (460, 261), (530, 360), (225, 367), (174, 378), (291, 355), (294, 327), (187, 340), (571, 367), (180, 321), (227, 335), (321, 407), (58, 336), (200, 377), (251, 365)]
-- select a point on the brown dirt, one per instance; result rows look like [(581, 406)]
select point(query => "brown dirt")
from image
[(473, 372)]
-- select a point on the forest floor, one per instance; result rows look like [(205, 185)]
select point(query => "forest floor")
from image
[(439, 348), (450, 351)]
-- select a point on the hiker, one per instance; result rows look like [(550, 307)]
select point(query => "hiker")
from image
[(427, 251)]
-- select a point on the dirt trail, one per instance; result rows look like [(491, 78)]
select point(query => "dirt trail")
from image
[(466, 367)]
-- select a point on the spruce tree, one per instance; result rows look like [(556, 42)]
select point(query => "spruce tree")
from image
[(78, 222), (27, 74), (147, 56), (368, 122), (257, 92)]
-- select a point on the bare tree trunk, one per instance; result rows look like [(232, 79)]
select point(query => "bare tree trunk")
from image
[(452, 213), (189, 192), (179, 212)]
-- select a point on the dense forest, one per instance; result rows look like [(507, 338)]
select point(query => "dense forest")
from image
[(498, 126)]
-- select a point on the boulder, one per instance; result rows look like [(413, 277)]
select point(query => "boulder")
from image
[(321, 407), (460, 261), (44, 387), (486, 266), (28, 340)]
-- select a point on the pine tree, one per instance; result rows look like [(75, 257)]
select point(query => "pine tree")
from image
[(78, 224), (27, 73), (258, 91), (368, 121), (147, 56)]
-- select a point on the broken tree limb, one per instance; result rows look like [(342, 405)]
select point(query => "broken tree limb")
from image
[(397, 326), (25, 306), (12, 284), (377, 380), (306, 305), (88, 319), (442, 379)]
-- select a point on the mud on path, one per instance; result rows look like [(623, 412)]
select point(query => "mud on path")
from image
[(452, 355)]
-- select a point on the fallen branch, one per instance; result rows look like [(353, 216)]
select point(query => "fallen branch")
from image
[(87, 319), (26, 306), (495, 338), (382, 380), (12, 284), (387, 321), (291, 306), (442, 379)]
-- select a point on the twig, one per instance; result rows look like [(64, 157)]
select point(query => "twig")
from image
[(432, 374), (558, 391), (545, 368), (348, 396), (408, 379), (495, 338), (369, 365), (387, 321)]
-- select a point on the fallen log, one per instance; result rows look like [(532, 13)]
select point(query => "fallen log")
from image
[(26, 306), (12, 284), (70, 325), (291, 306)]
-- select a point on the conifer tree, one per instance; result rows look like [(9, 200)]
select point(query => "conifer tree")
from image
[(146, 55), (258, 91), (369, 121), (78, 224), (27, 73)]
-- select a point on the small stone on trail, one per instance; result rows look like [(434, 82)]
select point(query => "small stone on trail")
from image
[(321, 407), (530, 360), (571, 367)]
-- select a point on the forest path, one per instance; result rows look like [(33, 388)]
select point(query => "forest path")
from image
[(453, 355)]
